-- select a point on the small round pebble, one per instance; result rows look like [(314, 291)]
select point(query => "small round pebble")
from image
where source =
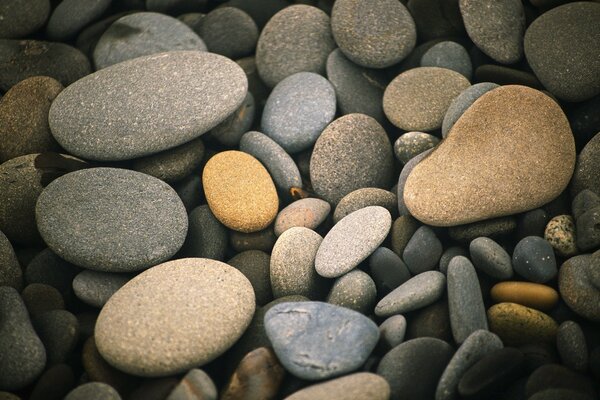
[(572, 346), (93, 390), (308, 213), (354, 290), (254, 264), (519, 325), (533, 259), (412, 144), (95, 287), (229, 31), (577, 289), (463, 101), (491, 258), (70, 16), (387, 270), (560, 233), (358, 386), (528, 294), (423, 251), (450, 55), (362, 198)]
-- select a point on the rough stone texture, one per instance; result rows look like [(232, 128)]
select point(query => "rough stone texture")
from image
[(90, 118), (572, 346), (95, 288), (113, 220), (206, 237), (10, 270), (411, 144), (70, 16), (315, 340), (297, 38), (186, 313), (588, 234), (417, 100), (387, 270), (353, 152), (22, 17), (522, 171), (560, 233), (533, 258), (255, 265), (352, 240), (529, 294), (196, 384), (449, 55), (354, 290), (230, 131), (462, 102), (358, 386), (240, 191), (362, 198), (373, 34), (423, 251), (576, 287), (560, 47), (229, 31), (518, 325), (419, 291), (491, 258), (297, 110), (308, 213), (93, 390), (585, 175)]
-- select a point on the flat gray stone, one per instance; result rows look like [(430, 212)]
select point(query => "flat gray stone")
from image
[(206, 236), (308, 213), (362, 198), (112, 220), (23, 17), (95, 287), (352, 240), (418, 292), (449, 55), (90, 118), (229, 31), (491, 258), (354, 290), (463, 101), (70, 16)]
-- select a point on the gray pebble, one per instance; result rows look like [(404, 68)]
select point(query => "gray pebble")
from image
[(195, 385), (308, 213), (436, 20), (48, 268), (463, 101), (388, 270), (95, 287), (230, 131), (585, 175), (10, 269), (532, 223), (411, 144), (261, 240), (229, 31), (584, 200), (70, 16), (572, 346), (533, 258), (364, 197), (588, 234), (392, 331), (449, 55), (354, 290), (491, 258), (39, 298), (423, 251), (406, 170), (23, 17), (255, 265), (93, 390), (578, 288), (188, 189), (448, 255), (206, 236), (261, 11), (59, 332)]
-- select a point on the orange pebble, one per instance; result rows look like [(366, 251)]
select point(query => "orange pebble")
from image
[(534, 295)]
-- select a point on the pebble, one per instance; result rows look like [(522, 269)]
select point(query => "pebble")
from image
[(200, 101), (178, 324), (195, 385), (519, 325), (100, 371), (491, 258), (230, 131), (462, 102), (70, 16), (88, 37), (450, 55), (465, 301), (59, 332), (448, 255), (24, 117), (417, 100), (411, 144), (528, 294), (206, 237), (572, 346), (293, 264), (560, 233), (261, 11), (559, 46), (532, 223), (414, 367), (585, 200), (435, 20), (353, 152), (558, 377), (539, 169), (423, 251), (355, 290), (229, 31), (53, 384), (387, 270), (362, 198), (585, 176), (296, 39), (307, 213), (419, 291), (240, 191), (352, 240), (40, 298), (93, 390), (111, 220), (403, 228), (577, 289), (315, 340), (495, 228), (10, 269), (373, 34), (23, 17), (95, 287), (255, 265), (392, 331), (357, 386), (262, 240), (23, 354), (298, 109), (588, 234), (188, 189), (533, 258), (503, 75), (280, 164), (48, 268)]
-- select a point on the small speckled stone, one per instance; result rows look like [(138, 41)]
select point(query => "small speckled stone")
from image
[(23, 17), (449, 55), (462, 102), (354, 290), (412, 144), (362, 198), (177, 320), (308, 213), (560, 233), (95, 287), (577, 289), (423, 251), (195, 385), (229, 31), (417, 100), (315, 340), (206, 237), (255, 265), (533, 258), (93, 390), (352, 240), (388, 270), (419, 291), (572, 346), (491, 258), (392, 331), (358, 386), (70, 16), (529, 294), (240, 191), (10, 270), (518, 325)]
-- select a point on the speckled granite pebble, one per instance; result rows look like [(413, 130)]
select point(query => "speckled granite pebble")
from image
[(419, 291), (308, 213), (95, 287), (560, 233), (362, 198), (533, 258), (358, 386)]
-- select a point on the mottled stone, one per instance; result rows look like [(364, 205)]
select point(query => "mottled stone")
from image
[(518, 325), (95, 287), (419, 291), (354, 290), (358, 386), (529, 294), (412, 144), (308, 213), (229, 31), (462, 102), (572, 346), (255, 265), (362, 198), (577, 289), (533, 258), (491, 258), (587, 228), (23, 17), (560, 233), (70, 16)]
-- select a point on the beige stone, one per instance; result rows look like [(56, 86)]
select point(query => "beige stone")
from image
[(518, 325)]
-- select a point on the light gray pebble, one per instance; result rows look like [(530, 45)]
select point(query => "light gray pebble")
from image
[(419, 291)]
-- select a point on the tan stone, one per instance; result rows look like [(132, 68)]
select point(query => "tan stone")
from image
[(358, 386), (529, 294), (518, 325)]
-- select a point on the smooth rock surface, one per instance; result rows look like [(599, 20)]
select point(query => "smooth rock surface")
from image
[(308, 213), (419, 291), (517, 325), (95, 288), (362, 198), (229, 31), (491, 258), (230, 131), (93, 390), (533, 258), (572, 346), (528, 294), (423, 251), (206, 237), (411, 144), (10, 269), (196, 384), (358, 386), (70, 16), (449, 55), (355, 291), (59, 332), (585, 176), (48, 268), (462, 102), (387, 270), (255, 265), (23, 17), (576, 287)]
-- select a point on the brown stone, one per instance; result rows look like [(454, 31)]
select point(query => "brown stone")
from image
[(518, 325), (529, 294)]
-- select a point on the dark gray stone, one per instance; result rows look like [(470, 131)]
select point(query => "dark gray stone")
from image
[(388, 270), (261, 11), (261, 240), (419, 291), (448, 255), (588, 230), (584, 201), (533, 258), (255, 265), (577, 289), (188, 190), (449, 55), (59, 332), (392, 331), (93, 390), (229, 31), (354, 290), (174, 6), (206, 237), (95, 287), (491, 258), (492, 228), (70, 16), (585, 175), (89, 36), (48, 268), (22, 17), (10, 270), (532, 223), (423, 251), (39, 298), (431, 321), (559, 377), (436, 19), (315, 340), (572, 346), (362, 198), (463, 101), (230, 131), (406, 170), (54, 383), (411, 144)]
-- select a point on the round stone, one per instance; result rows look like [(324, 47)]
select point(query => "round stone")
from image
[(23, 17), (255, 265), (240, 191), (354, 290), (229, 31), (560, 233), (462, 102), (70, 16), (417, 100), (450, 55), (206, 237), (195, 383), (95, 287), (572, 346), (528, 294), (373, 34), (358, 386), (353, 152), (112, 220), (577, 288), (297, 110), (518, 325), (412, 144), (491, 258), (175, 316), (362, 198), (308, 213), (40, 298), (419, 291), (533, 259), (156, 111)]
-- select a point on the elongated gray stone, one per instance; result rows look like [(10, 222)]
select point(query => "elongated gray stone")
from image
[(491, 258), (418, 292)]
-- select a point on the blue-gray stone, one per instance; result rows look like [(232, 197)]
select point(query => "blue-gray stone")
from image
[(143, 34), (70, 16), (95, 287), (206, 236), (315, 340), (423, 251), (298, 109), (406, 170), (463, 101), (533, 258), (388, 270), (449, 55), (491, 258)]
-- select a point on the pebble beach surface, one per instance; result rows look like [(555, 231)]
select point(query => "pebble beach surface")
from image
[(299, 199)]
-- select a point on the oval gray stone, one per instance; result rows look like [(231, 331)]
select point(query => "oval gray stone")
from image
[(393, 330), (255, 265), (491, 258), (59, 332), (93, 390), (95, 287), (449, 55), (70, 16), (423, 251), (572, 346), (352, 240), (362, 198), (97, 119), (463, 101), (112, 220), (418, 292), (23, 17), (229, 31), (308, 213), (354, 290)]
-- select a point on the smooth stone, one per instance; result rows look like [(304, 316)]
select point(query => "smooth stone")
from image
[(353, 152), (316, 341), (560, 233), (417, 99), (143, 34), (411, 144), (206, 237), (403, 228), (493, 228), (587, 228), (70, 16), (307, 213), (146, 110), (491, 258), (240, 191), (293, 264), (10, 269), (387, 270), (88, 38), (23, 354), (572, 346), (585, 175), (432, 321), (373, 34), (23, 17), (97, 369), (450, 55), (132, 220), (559, 377), (533, 258), (465, 300), (48, 268), (178, 324), (296, 39), (528, 294), (188, 189), (518, 325), (419, 291), (255, 265), (532, 223), (40, 298), (261, 11), (24, 125), (30, 58), (503, 75), (392, 331), (357, 386), (280, 164), (362, 198), (229, 31), (298, 109), (415, 361), (352, 240), (195, 385), (355, 291), (95, 287), (462, 102), (93, 390), (584, 201), (59, 332), (357, 89), (437, 192), (435, 19), (230, 131), (448, 255), (423, 251), (262, 240), (577, 289), (404, 174), (559, 47), (53, 384)]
